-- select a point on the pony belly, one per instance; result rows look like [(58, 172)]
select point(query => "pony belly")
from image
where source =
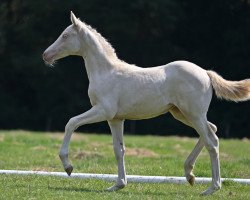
[(143, 112)]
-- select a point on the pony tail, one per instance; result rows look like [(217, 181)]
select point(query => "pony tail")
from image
[(230, 90)]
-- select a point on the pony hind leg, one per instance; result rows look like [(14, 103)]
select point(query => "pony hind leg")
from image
[(191, 159), (206, 130)]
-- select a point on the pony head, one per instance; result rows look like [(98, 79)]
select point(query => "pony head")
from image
[(68, 43)]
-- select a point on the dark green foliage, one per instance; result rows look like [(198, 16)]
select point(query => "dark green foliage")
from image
[(213, 34)]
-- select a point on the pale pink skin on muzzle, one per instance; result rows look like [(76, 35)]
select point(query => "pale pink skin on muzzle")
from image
[(48, 57)]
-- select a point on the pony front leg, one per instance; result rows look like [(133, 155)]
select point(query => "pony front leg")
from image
[(116, 127), (95, 114)]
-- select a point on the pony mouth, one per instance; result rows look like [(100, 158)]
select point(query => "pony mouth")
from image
[(49, 61)]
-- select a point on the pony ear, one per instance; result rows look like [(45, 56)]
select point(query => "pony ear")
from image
[(74, 20)]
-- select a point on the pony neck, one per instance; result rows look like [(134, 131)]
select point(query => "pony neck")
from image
[(98, 54), (96, 64)]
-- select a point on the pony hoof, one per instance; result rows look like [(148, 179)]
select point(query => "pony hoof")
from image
[(210, 191), (69, 170), (191, 180), (115, 188)]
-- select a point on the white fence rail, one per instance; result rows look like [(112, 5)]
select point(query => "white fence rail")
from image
[(130, 178)]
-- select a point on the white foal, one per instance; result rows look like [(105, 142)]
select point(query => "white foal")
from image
[(120, 91)]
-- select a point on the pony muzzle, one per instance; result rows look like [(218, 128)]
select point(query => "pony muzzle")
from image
[(48, 57)]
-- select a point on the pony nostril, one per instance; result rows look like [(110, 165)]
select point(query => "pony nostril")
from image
[(44, 54), (47, 57)]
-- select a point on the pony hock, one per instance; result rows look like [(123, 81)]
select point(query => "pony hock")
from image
[(181, 88)]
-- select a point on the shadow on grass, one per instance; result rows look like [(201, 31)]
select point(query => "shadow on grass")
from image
[(74, 189)]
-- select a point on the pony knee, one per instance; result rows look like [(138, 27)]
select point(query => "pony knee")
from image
[(71, 125), (212, 139), (213, 127), (213, 150), (213, 146)]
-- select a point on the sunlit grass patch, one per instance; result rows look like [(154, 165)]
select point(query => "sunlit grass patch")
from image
[(93, 153)]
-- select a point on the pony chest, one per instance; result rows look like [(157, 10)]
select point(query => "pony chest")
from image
[(93, 96), (96, 93)]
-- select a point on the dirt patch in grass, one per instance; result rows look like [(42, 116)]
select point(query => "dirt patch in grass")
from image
[(86, 154), (180, 149), (75, 136), (96, 145), (246, 139), (140, 152), (40, 147), (183, 139), (44, 169), (225, 156), (2, 138)]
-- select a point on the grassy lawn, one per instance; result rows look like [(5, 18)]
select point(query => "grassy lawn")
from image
[(92, 153)]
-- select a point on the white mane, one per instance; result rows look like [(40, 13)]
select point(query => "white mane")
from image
[(107, 47)]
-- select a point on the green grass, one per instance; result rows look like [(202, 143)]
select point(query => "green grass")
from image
[(92, 153)]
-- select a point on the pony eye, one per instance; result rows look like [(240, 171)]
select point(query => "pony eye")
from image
[(65, 36)]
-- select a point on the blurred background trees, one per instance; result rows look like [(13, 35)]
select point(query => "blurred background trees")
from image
[(213, 34)]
